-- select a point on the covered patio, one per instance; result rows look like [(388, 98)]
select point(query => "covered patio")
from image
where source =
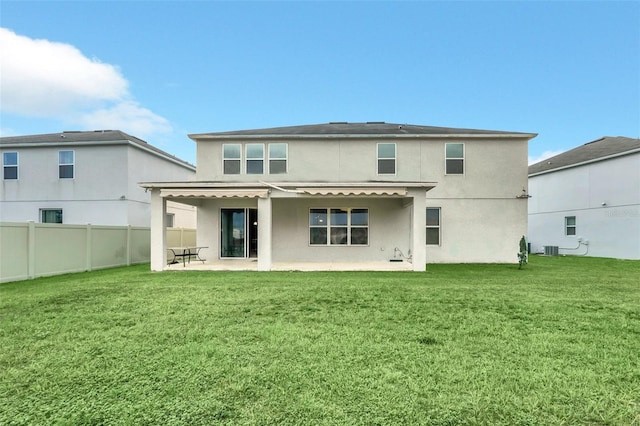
[(389, 236)]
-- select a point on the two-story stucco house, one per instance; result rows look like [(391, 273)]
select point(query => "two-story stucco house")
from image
[(86, 177), (344, 193), (586, 201)]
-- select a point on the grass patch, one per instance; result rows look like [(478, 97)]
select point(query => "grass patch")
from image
[(554, 343)]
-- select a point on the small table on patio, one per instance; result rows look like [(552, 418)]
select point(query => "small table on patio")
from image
[(186, 253)]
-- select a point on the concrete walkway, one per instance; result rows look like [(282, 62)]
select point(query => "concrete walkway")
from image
[(252, 265)]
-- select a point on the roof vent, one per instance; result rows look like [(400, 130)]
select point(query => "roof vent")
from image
[(376, 122), (338, 122)]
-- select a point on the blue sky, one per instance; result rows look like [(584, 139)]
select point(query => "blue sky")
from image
[(159, 70)]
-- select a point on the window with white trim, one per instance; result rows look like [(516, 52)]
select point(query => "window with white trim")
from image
[(231, 159), (51, 215), (254, 153), (454, 163), (66, 164), (170, 220), (433, 226), (10, 165), (570, 225), (339, 226), (386, 158), (277, 158)]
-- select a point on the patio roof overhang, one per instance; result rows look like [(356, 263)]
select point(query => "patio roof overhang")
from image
[(196, 190), (214, 193)]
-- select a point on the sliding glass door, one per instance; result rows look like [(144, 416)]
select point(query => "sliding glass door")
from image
[(239, 233)]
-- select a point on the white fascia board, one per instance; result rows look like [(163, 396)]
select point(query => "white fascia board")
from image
[(202, 138)]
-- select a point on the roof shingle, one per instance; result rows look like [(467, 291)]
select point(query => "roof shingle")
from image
[(602, 148)]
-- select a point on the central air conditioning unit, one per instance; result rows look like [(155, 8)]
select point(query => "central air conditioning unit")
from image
[(550, 250)]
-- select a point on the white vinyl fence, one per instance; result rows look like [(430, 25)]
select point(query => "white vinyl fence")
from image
[(30, 250)]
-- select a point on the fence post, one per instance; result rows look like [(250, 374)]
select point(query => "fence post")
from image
[(182, 237), (128, 245), (31, 249), (88, 248)]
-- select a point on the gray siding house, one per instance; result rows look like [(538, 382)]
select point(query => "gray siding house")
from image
[(338, 194), (586, 201), (86, 177)]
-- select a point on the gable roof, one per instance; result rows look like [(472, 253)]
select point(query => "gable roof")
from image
[(368, 129), (97, 137), (598, 150)]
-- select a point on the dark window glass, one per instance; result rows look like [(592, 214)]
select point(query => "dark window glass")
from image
[(277, 167), (254, 167), (66, 172), (231, 167), (51, 216), (433, 236), (338, 235), (359, 236), (455, 167), (318, 236), (386, 167)]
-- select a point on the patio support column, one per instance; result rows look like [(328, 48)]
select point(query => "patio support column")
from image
[(419, 231), (158, 233), (264, 233)]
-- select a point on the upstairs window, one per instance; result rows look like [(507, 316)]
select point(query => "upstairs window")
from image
[(454, 158), (277, 158), (570, 225), (231, 159), (51, 215), (386, 158), (345, 227), (66, 164), (10, 165), (255, 158), (433, 226)]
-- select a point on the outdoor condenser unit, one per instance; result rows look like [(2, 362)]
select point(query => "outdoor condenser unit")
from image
[(550, 250)]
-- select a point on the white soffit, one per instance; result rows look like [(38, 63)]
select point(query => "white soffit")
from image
[(214, 193), (356, 191)]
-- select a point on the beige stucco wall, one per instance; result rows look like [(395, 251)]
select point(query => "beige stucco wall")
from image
[(482, 220), (104, 191)]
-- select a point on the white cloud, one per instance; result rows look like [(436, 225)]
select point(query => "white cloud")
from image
[(41, 78), (128, 116), (543, 156)]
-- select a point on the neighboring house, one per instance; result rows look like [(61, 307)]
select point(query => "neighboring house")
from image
[(353, 192), (586, 201), (86, 177)]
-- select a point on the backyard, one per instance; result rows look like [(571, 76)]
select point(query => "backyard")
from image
[(556, 342)]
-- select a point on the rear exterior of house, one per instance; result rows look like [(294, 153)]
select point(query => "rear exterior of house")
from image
[(82, 177), (586, 201), (353, 192)]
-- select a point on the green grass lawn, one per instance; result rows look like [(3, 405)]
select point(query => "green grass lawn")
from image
[(557, 342)]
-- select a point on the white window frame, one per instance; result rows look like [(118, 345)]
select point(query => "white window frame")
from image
[(43, 210), (447, 158), (247, 158), (394, 158), (225, 159), (567, 226), (328, 226), (438, 226), (72, 164), (5, 166), (285, 158), (170, 220)]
